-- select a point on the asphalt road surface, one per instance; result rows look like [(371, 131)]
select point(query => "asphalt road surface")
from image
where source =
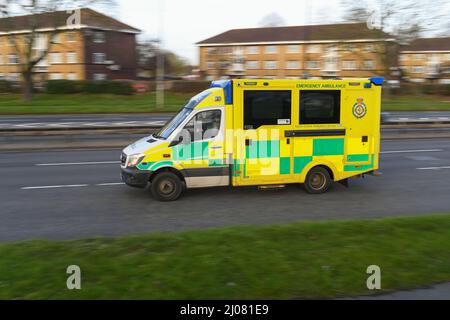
[(76, 194)]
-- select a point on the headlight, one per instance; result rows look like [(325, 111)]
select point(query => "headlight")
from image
[(135, 159)]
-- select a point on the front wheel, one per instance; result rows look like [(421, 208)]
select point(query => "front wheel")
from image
[(166, 186), (318, 181)]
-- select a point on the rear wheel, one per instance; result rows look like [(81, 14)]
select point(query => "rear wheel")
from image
[(318, 181), (166, 186)]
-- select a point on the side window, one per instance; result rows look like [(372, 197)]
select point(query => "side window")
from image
[(267, 108), (320, 107), (204, 126)]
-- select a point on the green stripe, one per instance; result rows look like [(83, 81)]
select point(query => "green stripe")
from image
[(328, 147), (158, 165), (356, 168), (358, 158), (300, 163), (285, 165), (145, 165)]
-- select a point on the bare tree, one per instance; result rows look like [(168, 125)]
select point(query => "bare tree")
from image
[(405, 19), (272, 20), (33, 11)]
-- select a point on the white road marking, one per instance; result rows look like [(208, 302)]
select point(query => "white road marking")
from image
[(73, 186), (75, 163), (433, 168), (56, 187), (411, 151)]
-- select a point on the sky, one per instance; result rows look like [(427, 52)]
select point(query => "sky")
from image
[(189, 21)]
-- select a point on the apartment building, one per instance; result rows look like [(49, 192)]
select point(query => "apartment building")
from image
[(96, 47), (315, 51), (426, 59)]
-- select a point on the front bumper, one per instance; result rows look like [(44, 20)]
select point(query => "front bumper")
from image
[(136, 178)]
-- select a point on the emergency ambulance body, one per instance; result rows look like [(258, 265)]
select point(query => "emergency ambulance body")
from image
[(262, 133)]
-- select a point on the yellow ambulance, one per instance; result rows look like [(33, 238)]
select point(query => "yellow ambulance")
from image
[(263, 133)]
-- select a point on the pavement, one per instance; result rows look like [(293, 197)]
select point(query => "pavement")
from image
[(437, 292), (93, 121), (78, 194)]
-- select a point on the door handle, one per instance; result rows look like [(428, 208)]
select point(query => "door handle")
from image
[(216, 147), (248, 142)]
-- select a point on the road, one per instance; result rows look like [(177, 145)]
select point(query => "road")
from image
[(76, 194), (155, 119)]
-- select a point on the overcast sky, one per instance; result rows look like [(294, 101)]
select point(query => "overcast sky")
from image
[(190, 21)]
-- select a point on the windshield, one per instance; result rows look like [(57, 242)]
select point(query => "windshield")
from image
[(173, 124)]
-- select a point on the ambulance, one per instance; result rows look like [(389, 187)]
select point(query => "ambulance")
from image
[(265, 133)]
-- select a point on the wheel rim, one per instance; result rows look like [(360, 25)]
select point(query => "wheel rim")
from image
[(318, 181), (167, 187)]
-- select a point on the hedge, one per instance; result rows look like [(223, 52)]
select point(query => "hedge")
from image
[(189, 86), (7, 87), (68, 87)]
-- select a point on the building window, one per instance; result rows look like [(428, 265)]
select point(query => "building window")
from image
[(13, 59), (99, 37), (369, 65), (419, 57), (349, 47), (56, 76), (271, 50), (253, 50), (417, 69), (313, 49), (210, 65), (98, 58), (100, 77), (71, 37), (320, 107), (11, 41), (369, 47), (71, 57), (293, 49), (270, 65), (14, 77), (210, 50), (55, 58), (312, 64), (56, 38), (292, 65), (349, 65), (72, 76), (266, 108), (251, 65)]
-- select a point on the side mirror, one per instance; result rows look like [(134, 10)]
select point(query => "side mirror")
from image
[(176, 142)]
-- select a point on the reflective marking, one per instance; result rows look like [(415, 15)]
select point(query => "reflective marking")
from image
[(411, 151), (433, 168), (56, 187), (75, 163)]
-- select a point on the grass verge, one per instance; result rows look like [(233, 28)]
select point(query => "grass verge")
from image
[(299, 260), (85, 103)]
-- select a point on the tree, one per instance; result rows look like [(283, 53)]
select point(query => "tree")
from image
[(272, 20), (173, 64), (405, 19), (54, 12)]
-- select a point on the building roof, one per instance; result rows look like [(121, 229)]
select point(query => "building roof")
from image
[(327, 32), (428, 44), (58, 19)]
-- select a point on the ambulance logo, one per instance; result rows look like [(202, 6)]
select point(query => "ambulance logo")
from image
[(360, 108)]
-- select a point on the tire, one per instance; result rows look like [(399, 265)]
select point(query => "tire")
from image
[(166, 186), (318, 181)]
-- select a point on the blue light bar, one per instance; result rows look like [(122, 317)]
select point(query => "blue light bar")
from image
[(227, 86), (378, 81)]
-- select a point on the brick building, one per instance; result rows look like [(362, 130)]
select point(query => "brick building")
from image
[(426, 59), (317, 51), (98, 47)]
